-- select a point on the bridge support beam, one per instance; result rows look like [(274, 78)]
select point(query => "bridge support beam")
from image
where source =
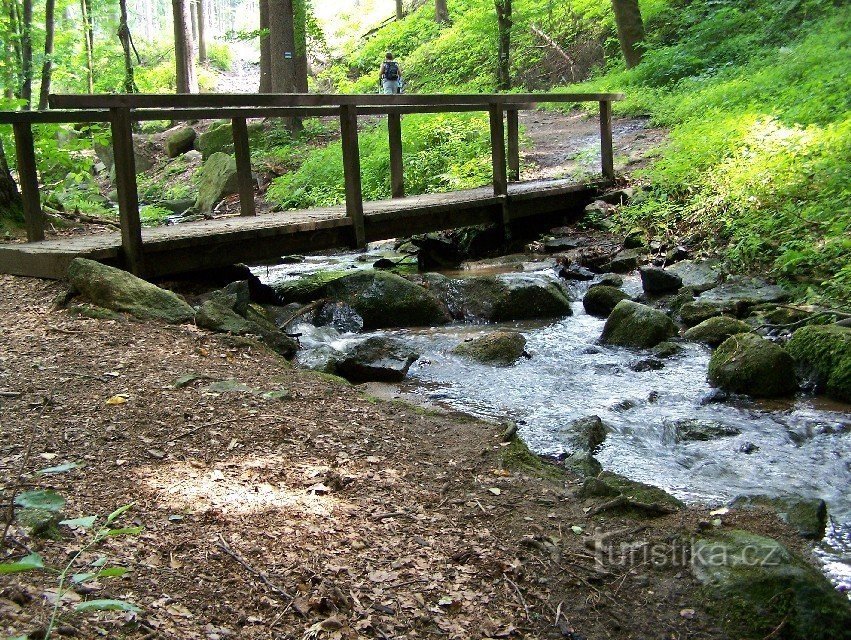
[(28, 177), (607, 155), (243, 167), (512, 117), (397, 176), (128, 195), (351, 171)]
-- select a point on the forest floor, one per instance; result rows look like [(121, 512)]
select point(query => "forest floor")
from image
[(313, 511)]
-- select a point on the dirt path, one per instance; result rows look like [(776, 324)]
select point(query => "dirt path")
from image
[(310, 512), (560, 144)]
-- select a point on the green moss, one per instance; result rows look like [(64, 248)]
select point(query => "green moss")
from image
[(328, 377), (716, 330), (501, 348), (824, 354), (639, 491), (307, 288), (516, 456), (636, 325), (747, 363)]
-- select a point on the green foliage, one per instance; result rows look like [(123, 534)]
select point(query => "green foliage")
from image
[(440, 153), (153, 215), (219, 55)]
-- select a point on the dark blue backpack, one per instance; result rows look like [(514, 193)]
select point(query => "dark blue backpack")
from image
[(391, 70)]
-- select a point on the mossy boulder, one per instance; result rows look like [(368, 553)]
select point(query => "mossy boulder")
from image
[(385, 299), (216, 315), (378, 358), (217, 139), (307, 288), (582, 464), (636, 325), (601, 300), (516, 456), (500, 348), (755, 586), (823, 355), (515, 297), (638, 491), (121, 291), (179, 141), (624, 261), (695, 429), (585, 434), (747, 363), (807, 516), (216, 180), (657, 281), (714, 331), (693, 313)]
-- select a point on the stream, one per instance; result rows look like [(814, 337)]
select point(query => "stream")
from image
[(796, 447)]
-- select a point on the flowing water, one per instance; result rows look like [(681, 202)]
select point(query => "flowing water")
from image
[(796, 447)]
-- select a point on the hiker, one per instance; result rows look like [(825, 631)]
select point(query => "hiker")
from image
[(390, 75)]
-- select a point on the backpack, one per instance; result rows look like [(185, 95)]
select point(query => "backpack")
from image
[(391, 70)]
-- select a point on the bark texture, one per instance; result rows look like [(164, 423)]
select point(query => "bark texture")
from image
[(630, 30)]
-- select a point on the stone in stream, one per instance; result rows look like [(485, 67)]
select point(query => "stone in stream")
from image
[(807, 516), (656, 281), (585, 434), (379, 359), (216, 179), (554, 245), (735, 297), (693, 313), (624, 261), (636, 325), (747, 363), (217, 315), (575, 271), (121, 291), (500, 348), (695, 429), (179, 141), (822, 353), (667, 349), (757, 586), (698, 275), (610, 280), (340, 316), (714, 331), (308, 288), (601, 300)]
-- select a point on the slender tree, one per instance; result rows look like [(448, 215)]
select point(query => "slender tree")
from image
[(47, 65), (187, 81), (441, 12), (300, 67), (12, 49), (399, 11), (89, 39), (201, 17), (27, 54), (126, 45), (503, 19), (630, 30), (265, 49)]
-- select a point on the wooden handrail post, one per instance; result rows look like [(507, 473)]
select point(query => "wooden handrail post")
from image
[(28, 177), (512, 117), (351, 171), (607, 154), (500, 179), (128, 196), (243, 167), (397, 176)]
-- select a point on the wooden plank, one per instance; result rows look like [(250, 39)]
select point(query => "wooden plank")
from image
[(209, 113), (607, 155), (138, 100), (397, 175), (351, 172), (53, 117), (28, 177), (243, 167), (500, 177), (513, 122), (128, 197)]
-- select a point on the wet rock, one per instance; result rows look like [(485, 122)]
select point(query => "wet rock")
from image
[(340, 316), (235, 296), (307, 288), (656, 281), (747, 363), (807, 516), (179, 141), (636, 325), (383, 263), (676, 254), (500, 348), (601, 300), (748, 448), (638, 491), (635, 239), (735, 297), (585, 434), (292, 259), (773, 314), (758, 586), (574, 271), (667, 349), (216, 180), (823, 355), (625, 261), (693, 313), (610, 280), (378, 359), (121, 291), (693, 429), (437, 251), (385, 299), (647, 364), (698, 275), (714, 331), (216, 315), (582, 464), (555, 245)]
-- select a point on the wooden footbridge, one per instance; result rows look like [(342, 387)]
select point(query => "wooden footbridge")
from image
[(249, 238)]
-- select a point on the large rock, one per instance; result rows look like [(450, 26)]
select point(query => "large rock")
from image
[(121, 291), (807, 517), (739, 293), (500, 348), (697, 275), (601, 300), (759, 587), (216, 314), (747, 363), (626, 260), (693, 313), (179, 141), (217, 139), (216, 180), (387, 300), (636, 325), (823, 355), (307, 288), (716, 330), (585, 434), (378, 358), (695, 429), (656, 281)]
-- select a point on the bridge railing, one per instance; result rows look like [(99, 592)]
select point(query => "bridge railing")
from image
[(120, 111)]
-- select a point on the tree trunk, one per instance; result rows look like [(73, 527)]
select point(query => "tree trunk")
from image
[(281, 45), (11, 205), (47, 66), (27, 55), (202, 27), (11, 51), (184, 57), (265, 55), (399, 12), (441, 12), (503, 17), (300, 46), (89, 37), (124, 37), (630, 30)]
